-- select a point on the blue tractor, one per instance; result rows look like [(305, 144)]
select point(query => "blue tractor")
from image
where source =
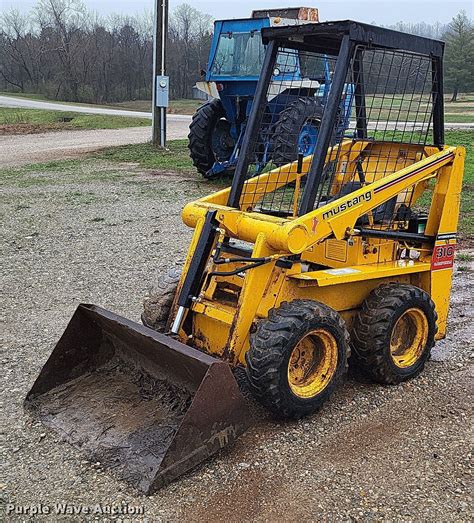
[(293, 114)]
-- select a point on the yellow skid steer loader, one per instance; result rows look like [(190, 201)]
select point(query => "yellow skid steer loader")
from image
[(344, 256)]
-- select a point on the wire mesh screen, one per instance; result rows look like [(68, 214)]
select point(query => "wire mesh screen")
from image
[(382, 124), (289, 130)]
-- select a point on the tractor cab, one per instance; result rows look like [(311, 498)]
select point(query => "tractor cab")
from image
[(235, 62)]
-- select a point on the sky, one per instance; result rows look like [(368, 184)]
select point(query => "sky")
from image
[(379, 11)]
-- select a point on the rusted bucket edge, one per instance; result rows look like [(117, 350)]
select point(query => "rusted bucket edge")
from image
[(170, 342)]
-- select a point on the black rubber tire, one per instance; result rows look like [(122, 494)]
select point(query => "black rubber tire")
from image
[(373, 326), (157, 304), (200, 135), (288, 128), (270, 350)]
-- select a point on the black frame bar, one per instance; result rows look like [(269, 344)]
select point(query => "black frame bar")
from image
[(253, 126), (315, 174), (359, 95), (192, 283), (438, 101), (340, 39), (332, 33)]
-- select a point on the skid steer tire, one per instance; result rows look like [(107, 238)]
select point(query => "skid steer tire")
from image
[(280, 343), (393, 333), (289, 127), (200, 135), (157, 304)]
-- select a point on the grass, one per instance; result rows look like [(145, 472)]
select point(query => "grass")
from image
[(176, 106), (175, 158), (466, 138), (182, 106), (37, 120), (400, 108), (464, 260), (464, 257), (459, 118)]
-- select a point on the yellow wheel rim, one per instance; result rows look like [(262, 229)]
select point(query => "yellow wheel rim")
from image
[(409, 337), (312, 363)]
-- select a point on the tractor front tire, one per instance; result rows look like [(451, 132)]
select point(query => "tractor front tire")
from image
[(393, 333), (157, 304), (289, 126), (200, 135), (296, 358)]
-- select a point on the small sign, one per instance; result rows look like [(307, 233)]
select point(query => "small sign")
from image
[(443, 257)]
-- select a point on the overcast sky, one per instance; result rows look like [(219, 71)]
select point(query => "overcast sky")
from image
[(379, 11)]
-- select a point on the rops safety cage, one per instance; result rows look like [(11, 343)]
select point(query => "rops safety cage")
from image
[(392, 81)]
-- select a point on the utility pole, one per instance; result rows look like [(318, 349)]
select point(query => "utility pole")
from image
[(160, 80)]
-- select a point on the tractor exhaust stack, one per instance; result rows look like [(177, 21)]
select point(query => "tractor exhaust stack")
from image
[(142, 404)]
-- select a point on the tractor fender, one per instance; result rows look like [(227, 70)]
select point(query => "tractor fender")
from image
[(209, 88)]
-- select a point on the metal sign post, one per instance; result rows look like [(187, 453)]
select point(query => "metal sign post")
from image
[(160, 80)]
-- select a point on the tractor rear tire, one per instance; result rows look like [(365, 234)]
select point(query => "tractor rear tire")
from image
[(157, 304), (296, 358), (200, 135), (288, 128), (393, 333)]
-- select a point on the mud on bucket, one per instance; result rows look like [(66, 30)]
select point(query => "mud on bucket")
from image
[(141, 403)]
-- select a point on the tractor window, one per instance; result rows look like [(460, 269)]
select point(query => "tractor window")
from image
[(239, 54), (314, 66), (287, 61)]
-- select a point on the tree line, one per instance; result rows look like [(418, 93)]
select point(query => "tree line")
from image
[(459, 52), (64, 51)]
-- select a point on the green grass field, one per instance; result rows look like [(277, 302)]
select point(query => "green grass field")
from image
[(174, 158), (37, 120), (183, 106), (461, 111), (176, 106), (398, 108), (466, 138)]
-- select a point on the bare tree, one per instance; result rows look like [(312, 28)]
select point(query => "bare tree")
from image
[(190, 32), (21, 53), (64, 51)]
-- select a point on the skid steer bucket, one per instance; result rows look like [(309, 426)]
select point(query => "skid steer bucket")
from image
[(137, 401)]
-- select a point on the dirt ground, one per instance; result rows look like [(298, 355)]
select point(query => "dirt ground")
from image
[(16, 150), (99, 234)]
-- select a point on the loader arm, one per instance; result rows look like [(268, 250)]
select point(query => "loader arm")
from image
[(294, 236), (340, 216)]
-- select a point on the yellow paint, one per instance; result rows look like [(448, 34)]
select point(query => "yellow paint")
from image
[(409, 337), (312, 364), (346, 266)]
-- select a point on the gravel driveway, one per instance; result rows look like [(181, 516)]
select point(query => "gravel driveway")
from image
[(98, 234), (18, 150)]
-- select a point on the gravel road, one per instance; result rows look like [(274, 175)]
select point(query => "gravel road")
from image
[(10, 101), (98, 234), (18, 150)]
